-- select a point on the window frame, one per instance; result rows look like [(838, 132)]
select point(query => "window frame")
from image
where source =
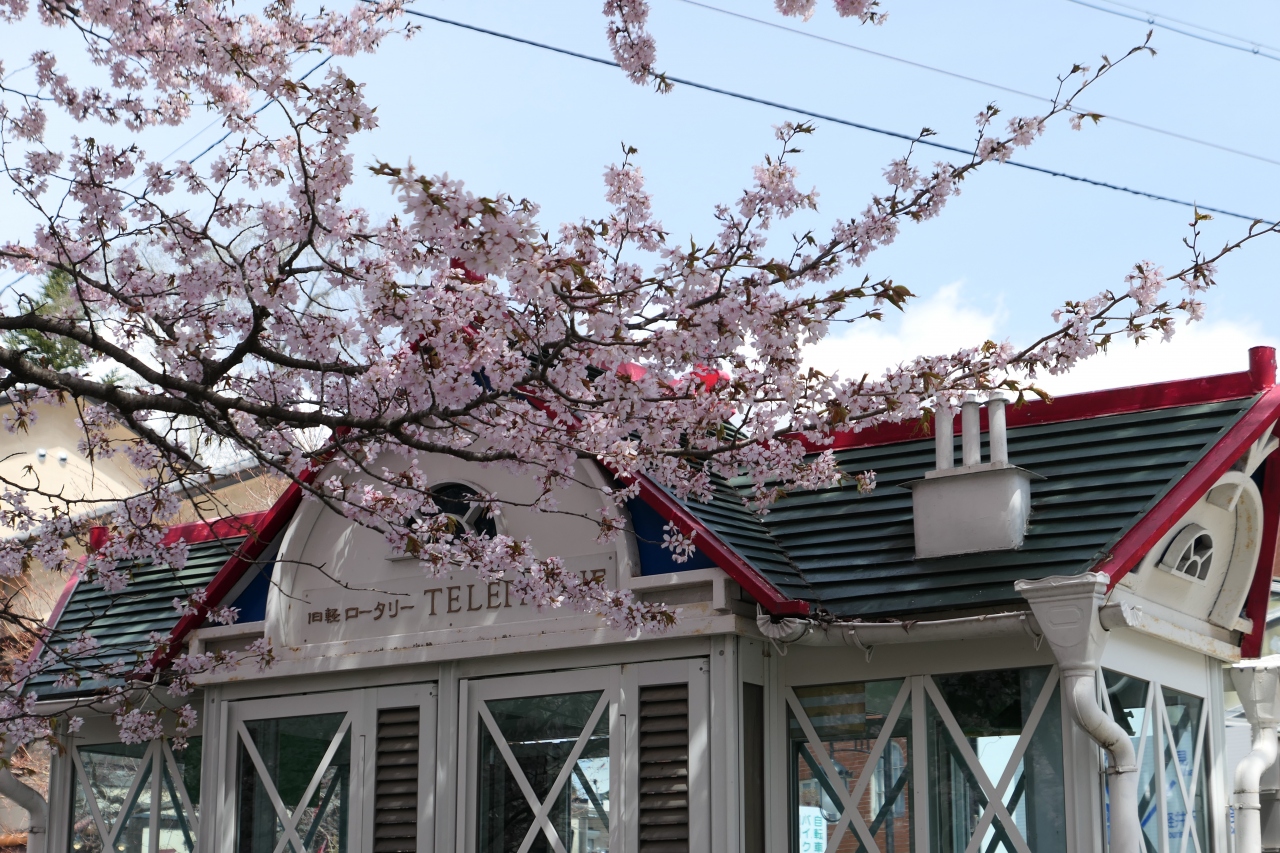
[(622, 684), (158, 754), (911, 697)]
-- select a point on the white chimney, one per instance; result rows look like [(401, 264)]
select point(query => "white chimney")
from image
[(979, 506)]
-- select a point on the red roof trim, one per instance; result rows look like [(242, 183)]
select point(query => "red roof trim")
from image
[(746, 576), (266, 527), (194, 532), (1094, 404), (60, 605), (1131, 548), (1256, 604)]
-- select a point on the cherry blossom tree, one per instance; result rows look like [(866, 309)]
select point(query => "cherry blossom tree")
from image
[(244, 306)]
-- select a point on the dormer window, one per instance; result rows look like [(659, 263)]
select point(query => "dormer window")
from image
[(456, 501), (1190, 554)]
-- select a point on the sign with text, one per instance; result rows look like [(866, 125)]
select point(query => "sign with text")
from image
[(418, 603)]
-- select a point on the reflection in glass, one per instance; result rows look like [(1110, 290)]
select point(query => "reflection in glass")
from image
[(1128, 697), (992, 709), (541, 733), (292, 750), (848, 719), (1180, 757), (111, 769)]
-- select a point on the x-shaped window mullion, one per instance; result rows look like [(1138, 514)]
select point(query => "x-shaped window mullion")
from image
[(994, 800), (1028, 730), (848, 805), (1187, 793), (290, 821), (103, 830), (131, 798), (181, 788), (873, 759), (542, 810)]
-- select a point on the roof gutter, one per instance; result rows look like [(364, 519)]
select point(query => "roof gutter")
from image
[(868, 635)]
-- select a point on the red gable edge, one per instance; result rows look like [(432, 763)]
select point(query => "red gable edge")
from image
[(1260, 376), (728, 560), (56, 614), (267, 527), (1140, 538), (1259, 599)]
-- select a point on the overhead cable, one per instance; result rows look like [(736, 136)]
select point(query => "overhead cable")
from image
[(1245, 46), (907, 137), (957, 76)]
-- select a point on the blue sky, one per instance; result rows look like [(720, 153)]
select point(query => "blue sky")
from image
[(511, 118)]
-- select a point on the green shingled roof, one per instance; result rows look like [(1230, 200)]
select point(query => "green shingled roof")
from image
[(853, 555), (122, 622)]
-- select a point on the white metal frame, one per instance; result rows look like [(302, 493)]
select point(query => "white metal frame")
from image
[(620, 688), (1160, 737), (477, 693), (356, 722), (914, 689), (157, 758)]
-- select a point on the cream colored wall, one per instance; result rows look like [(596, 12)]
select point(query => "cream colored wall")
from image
[(328, 561), (62, 469)]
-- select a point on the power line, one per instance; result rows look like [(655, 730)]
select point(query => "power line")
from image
[(893, 134), (957, 76), (1154, 21), (1193, 25)]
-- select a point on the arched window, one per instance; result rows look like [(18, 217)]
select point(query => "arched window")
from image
[(455, 501), (1190, 554)]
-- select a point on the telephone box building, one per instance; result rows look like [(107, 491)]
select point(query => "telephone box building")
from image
[(1016, 643)]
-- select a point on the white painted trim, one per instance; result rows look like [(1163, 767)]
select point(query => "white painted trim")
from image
[(495, 642), (198, 639), (919, 758), (1138, 618)]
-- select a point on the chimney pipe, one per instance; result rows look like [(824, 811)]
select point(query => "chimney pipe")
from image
[(997, 437), (971, 429), (944, 437)]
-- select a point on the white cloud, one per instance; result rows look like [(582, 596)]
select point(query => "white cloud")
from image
[(932, 325), (1199, 349), (943, 322)]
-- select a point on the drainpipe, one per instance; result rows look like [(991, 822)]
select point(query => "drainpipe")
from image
[(29, 799), (1067, 610), (1258, 683)]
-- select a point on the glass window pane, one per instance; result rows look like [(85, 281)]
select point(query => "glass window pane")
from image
[(176, 835), (1127, 696), (541, 732), (111, 769), (134, 834), (292, 749), (1180, 757), (848, 719), (992, 710)]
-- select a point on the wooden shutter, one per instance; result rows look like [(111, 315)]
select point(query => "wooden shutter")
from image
[(664, 769), (395, 822)]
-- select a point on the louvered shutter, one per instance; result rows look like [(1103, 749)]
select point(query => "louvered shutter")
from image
[(395, 820), (664, 769)]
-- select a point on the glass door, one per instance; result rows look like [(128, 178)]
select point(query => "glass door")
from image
[(543, 772)]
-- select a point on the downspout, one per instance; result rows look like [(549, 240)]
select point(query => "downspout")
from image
[(1258, 683), (27, 798), (1067, 611)]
